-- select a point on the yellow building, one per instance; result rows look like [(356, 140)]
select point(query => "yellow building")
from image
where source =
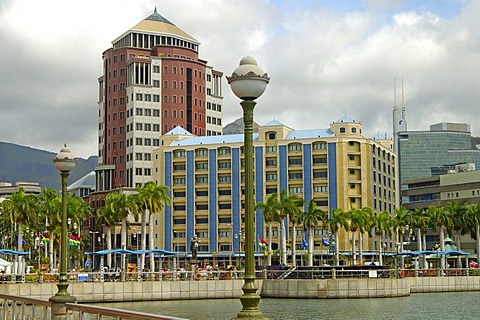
[(337, 167)]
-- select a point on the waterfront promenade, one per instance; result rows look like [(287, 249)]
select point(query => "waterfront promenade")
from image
[(363, 285)]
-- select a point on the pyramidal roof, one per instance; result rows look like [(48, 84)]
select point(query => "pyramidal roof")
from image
[(156, 23), (179, 130), (345, 118), (274, 122)]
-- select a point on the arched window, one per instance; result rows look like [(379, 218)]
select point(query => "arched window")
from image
[(342, 130)]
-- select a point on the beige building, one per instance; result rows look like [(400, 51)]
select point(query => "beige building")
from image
[(337, 167)]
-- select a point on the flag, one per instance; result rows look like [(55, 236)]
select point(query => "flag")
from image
[(74, 240), (289, 245), (262, 243), (304, 243), (325, 242), (45, 237)]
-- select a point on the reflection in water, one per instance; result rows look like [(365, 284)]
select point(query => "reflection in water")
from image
[(451, 306)]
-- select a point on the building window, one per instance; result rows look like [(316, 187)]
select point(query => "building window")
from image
[(139, 97), (295, 147), (342, 130)]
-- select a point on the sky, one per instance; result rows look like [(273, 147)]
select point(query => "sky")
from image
[(325, 58)]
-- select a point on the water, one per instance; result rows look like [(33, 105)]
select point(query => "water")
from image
[(435, 306)]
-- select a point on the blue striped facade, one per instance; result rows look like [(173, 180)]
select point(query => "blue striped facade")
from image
[(332, 177), (236, 195), (168, 226), (259, 188), (190, 194), (212, 199)]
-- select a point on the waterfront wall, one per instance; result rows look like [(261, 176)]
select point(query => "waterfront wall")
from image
[(335, 288), (224, 289)]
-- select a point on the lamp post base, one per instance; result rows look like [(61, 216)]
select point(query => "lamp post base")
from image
[(59, 309), (250, 300)]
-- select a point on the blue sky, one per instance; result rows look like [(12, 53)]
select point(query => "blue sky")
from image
[(326, 58)]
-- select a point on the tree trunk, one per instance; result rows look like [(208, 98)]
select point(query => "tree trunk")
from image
[(354, 257), (109, 247), (478, 244), (269, 253), (310, 246), (143, 243), (124, 247), (20, 266), (442, 248), (380, 250), (50, 253), (294, 240), (336, 249), (150, 243), (283, 243), (360, 248)]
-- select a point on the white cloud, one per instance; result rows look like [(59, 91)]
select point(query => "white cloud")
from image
[(323, 63)]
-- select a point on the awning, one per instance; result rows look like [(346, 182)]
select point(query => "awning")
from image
[(8, 251)]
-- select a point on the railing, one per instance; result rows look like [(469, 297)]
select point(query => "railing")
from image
[(14, 307), (345, 272), (292, 273), (84, 312)]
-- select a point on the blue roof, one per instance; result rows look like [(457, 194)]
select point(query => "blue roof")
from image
[(228, 138), (305, 134), (379, 136), (345, 118), (179, 130), (274, 122), (87, 180)]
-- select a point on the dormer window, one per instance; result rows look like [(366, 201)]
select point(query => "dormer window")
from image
[(354, 130), (342, 130), (271, 136)]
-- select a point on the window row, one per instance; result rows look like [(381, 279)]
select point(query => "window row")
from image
[(214, 106), (214, 120)]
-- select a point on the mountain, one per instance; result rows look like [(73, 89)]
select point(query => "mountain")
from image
[(24, 164), (236, 127)]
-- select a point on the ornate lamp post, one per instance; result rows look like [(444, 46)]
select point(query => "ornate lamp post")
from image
[(64, 162), (248, 82)]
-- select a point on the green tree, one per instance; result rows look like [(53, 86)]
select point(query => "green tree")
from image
[(311, 218), (21, 209), (122, 205), (382, 225), (269, 211), (473, 213), (359, 220), (151, 199), (295, 218), (337, 220), (441, 217)]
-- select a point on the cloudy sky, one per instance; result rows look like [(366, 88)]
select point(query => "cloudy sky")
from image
[(326, 58)]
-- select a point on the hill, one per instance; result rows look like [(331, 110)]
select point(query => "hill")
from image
[(24, 164), (236, 127)]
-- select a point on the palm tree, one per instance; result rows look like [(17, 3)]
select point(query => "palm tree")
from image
[(473, 213), (107, 218), (269, 211), (337, 220), (50, 209), (287, 205), (420, 221), (441, 217), (151, 198), (382, 224), (21, 209), (122, 205), (311, 218), (359, 220), (295, 218), (401, 222)]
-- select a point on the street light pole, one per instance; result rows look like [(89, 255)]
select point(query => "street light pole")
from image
[(64, 162), (248, 82)]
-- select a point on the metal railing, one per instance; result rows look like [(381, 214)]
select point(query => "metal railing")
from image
[(22, 308)]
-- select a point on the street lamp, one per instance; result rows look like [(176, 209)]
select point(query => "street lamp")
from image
[(64, 162), (93, 233), (248, 82)]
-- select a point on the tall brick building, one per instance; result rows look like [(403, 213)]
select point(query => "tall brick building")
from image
[(153, 81)]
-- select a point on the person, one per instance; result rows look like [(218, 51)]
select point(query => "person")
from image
[(194, 247)]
